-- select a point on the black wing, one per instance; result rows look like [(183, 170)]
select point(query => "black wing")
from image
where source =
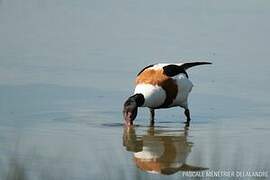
[(173, 69), (191, 64)]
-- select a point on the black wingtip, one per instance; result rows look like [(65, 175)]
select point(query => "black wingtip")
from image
[(199, 62), (191, 64), (207, 62)]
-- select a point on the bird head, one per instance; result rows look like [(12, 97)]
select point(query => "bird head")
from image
[(131, 108)]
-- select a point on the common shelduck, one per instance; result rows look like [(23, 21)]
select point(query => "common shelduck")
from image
[(162, 85)]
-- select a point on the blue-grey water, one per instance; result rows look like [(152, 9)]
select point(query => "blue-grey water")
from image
[(67, 66)]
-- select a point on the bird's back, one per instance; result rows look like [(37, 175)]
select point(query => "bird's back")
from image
[(159, 89), (152, 75)]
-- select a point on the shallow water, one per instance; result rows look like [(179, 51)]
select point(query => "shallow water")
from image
[(67, 66)]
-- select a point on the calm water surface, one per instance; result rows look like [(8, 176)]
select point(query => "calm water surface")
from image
[(67, 66)]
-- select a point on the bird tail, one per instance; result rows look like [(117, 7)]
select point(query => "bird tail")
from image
[(191, 64)]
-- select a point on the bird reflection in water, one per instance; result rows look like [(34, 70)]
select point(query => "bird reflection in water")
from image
[(160, 151)]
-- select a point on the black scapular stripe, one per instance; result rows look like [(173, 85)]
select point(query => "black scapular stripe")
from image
[(172, 70), (151, 65)]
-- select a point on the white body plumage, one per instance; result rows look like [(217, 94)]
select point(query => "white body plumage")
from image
[(155, 95)]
